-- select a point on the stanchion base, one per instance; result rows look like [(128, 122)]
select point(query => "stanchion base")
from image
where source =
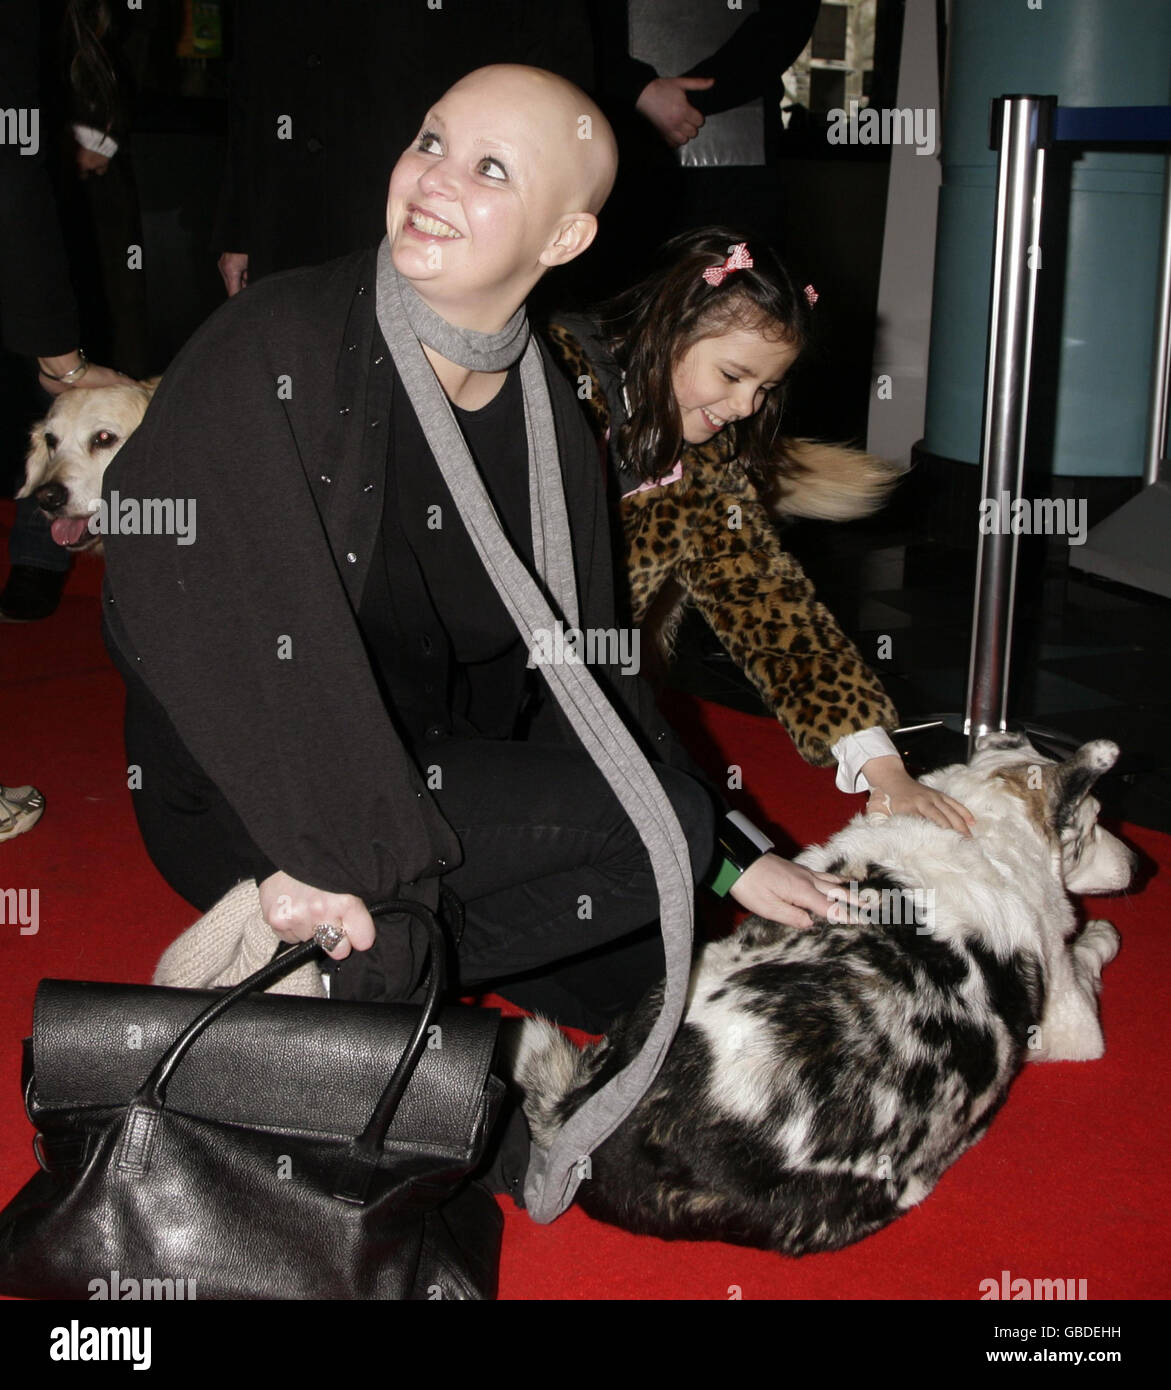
[(937, 740)]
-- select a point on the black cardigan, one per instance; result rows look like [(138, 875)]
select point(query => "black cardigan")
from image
[(274, 419)]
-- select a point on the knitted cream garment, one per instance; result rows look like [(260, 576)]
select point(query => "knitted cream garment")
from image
[(230, 942)]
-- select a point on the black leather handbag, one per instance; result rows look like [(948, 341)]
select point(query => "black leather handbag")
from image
[(264, 1155)]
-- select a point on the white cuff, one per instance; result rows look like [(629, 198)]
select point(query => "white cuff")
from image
[(853, 753), (90, 139)]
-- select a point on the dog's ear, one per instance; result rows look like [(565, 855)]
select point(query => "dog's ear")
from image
[(36, 463), (1073, 778), (1000, 738), (151, 384)]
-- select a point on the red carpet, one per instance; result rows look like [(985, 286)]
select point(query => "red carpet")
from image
[(1065, 1185)]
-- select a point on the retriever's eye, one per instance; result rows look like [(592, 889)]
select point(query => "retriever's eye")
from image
[(50, 441), (104, 439)]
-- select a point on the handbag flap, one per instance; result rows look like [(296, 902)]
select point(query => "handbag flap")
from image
[(274, 1061)]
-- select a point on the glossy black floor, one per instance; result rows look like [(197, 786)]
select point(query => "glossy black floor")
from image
[(1090, 658)]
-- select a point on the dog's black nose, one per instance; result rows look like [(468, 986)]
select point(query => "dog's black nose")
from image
[(52, 497)]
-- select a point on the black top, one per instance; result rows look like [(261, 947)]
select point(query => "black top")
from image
[(447, 656)]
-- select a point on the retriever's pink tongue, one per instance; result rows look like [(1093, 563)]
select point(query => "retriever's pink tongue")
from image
[(68, 530)]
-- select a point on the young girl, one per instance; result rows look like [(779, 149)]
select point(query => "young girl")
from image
[(685, 374)]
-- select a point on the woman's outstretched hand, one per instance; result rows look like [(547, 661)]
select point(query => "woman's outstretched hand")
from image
[(896, 793), (294, 910), (785, 892)]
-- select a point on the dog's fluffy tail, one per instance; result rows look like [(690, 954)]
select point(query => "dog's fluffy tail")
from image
[(546, 1066), (829, 482)]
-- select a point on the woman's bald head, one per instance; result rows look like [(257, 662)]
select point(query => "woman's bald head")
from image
[(505, 180), (569, 136)]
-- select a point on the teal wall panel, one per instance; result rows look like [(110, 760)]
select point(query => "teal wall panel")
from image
[(1087, 53)]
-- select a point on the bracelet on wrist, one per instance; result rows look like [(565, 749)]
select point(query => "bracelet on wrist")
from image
[(74, 375), (740, 845), (725, 877)]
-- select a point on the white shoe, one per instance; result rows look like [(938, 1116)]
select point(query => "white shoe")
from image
[(20, 809)]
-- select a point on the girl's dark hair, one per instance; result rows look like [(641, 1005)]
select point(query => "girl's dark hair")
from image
[(92, 77), (651, 326)]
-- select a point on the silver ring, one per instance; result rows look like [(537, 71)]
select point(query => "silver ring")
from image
[(328, 936)]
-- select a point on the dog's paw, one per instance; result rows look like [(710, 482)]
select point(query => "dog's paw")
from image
[(1101, 939)]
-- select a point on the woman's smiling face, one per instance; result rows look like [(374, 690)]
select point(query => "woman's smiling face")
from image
[(724, 378), (473, 202)]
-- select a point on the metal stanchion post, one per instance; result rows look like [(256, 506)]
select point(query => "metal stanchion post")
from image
[(1161, 364), (1128, 546), (1024, 125)]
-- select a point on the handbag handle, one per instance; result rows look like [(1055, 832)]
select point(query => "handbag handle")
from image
[(366, 1149)]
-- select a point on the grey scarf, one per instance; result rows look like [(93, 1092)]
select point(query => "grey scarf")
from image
[(407, 322)]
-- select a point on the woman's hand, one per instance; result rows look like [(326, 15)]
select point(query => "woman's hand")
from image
[(896, 793), (781, 891), (295, 910)]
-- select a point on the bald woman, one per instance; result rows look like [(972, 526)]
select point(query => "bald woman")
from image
[(325, 691)]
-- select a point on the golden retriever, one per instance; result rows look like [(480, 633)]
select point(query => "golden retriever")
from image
[(69, 450)]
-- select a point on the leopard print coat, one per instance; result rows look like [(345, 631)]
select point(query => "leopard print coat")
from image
[(683, 546)]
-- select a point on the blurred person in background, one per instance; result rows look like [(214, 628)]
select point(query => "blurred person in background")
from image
[(48, 244)]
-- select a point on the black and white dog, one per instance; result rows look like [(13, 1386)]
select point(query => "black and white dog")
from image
[(823, 1080)]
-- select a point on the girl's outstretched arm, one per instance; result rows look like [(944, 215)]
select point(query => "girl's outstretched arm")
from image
[(760, 603), (757, 599)]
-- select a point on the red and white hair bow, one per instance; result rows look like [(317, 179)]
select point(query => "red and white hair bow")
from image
[(739, 259)]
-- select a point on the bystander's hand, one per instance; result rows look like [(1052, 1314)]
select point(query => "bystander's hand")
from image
[(90, 162), (233, 267), (93, 376), (664, 103)]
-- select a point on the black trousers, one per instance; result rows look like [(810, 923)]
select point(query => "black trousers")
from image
[(560, 904)]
